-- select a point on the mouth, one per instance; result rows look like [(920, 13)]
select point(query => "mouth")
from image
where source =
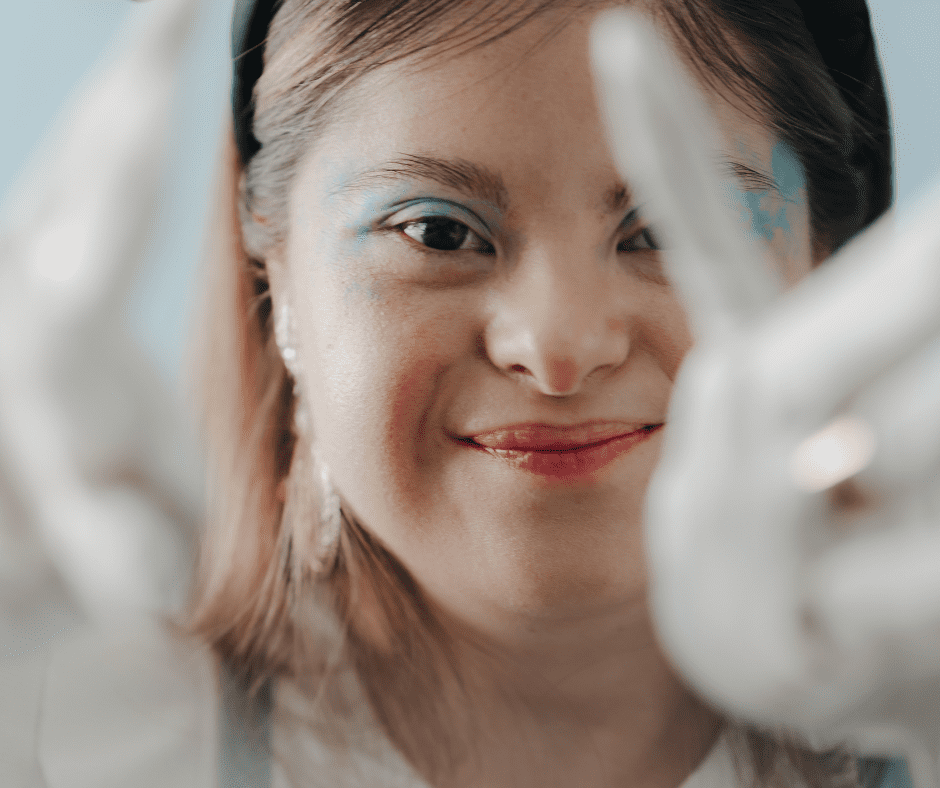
[(561, 453)]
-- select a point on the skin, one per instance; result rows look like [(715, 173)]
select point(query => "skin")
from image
[(570, 319)]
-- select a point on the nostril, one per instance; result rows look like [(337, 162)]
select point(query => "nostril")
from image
[(519, 368)]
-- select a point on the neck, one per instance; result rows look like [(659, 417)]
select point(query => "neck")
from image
[(583, 697)]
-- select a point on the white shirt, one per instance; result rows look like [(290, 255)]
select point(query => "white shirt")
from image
[(146, 707)]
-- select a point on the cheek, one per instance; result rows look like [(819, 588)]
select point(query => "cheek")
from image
[(379, 368), (793, 248), (665, 334)]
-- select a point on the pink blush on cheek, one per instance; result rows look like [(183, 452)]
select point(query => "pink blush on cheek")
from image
[(391, 467), (411, 423)]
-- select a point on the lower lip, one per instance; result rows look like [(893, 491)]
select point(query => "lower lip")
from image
[(571, 464)]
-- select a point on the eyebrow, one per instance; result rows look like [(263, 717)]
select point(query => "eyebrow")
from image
[(457, 174), (484, 184), (463, 176), (751, 179)]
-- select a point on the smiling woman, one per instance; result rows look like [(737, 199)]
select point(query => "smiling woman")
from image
[(443, 349), (482, 512)]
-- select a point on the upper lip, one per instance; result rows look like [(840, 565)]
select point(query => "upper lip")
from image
[(551, 437)]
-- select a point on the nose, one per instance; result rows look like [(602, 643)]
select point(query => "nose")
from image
[(557, 323)]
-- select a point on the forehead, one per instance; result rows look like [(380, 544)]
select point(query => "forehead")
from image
[(520, 111)]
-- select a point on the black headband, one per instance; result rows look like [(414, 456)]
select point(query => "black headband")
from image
[(250, 24), (840, 28)]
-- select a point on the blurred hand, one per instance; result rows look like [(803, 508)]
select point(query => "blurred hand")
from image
[(793, 526), (92, 451)]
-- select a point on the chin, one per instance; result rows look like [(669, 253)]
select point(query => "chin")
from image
[(540, 565)]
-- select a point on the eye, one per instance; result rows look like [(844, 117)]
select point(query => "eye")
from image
[(643, 240), (445, 235)]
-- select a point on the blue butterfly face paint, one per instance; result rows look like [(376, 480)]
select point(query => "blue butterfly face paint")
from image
[(769, 206), (766, 190)]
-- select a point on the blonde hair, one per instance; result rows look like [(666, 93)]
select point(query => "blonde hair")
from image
[(258, 599)]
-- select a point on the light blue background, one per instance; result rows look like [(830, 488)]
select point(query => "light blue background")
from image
[(49, 44)]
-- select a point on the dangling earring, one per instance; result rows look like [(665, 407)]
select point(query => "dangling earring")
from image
[(312, 508), (283, 336), (326, 545)]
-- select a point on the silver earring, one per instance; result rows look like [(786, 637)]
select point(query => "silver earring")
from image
[(312, 508), (284, 337), (330, 520)]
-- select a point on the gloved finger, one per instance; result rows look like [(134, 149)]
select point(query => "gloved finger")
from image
[(902, 408), (854, 318), (878, 592), (665, 145)]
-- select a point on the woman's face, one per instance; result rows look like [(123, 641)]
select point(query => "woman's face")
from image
[(485, 334)]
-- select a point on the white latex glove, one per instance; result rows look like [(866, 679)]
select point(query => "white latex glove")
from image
[(780, 601), (96, 466)]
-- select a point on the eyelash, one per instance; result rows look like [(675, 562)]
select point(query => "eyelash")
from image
[(483, 246), (645, 233), (648, 236)]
